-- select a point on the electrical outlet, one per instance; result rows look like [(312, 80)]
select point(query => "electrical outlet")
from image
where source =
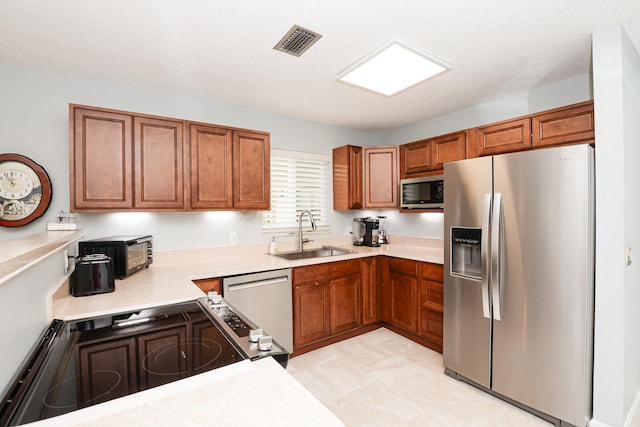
[(66, 261), (627, 255), (347, 231), (233, 238)]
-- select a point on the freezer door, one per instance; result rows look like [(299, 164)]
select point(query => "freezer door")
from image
[(467, 324), (542, 344)]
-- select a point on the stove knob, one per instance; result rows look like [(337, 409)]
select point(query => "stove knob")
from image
[(265, 343), (255, 334)]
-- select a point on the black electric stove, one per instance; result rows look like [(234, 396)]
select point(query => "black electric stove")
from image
[(84, 362)]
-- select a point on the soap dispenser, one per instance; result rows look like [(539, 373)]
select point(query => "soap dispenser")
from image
[(273, 247)]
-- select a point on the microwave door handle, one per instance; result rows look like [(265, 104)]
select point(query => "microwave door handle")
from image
[(484, 256)]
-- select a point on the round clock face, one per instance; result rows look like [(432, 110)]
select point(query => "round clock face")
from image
[(25, 190)]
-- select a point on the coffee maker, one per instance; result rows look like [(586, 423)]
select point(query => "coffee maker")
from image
[(363, 231)]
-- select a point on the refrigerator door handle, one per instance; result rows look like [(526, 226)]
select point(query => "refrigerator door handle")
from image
[(496, 253), (484, 256)]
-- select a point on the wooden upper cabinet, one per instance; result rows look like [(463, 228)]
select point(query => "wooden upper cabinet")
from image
[(448, 148), (504, 137), (415, 158), (101, 150), (420, 158), (251, 171), (380, 177), (121, 161), (567, 125), (158, 164), (211, 167), (347, 178)]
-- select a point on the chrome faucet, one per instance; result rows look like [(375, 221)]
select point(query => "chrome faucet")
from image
[(313, 226)]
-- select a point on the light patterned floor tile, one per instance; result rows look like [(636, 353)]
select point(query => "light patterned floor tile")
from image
[(383, 379)]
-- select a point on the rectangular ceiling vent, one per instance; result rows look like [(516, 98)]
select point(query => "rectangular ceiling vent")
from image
[(297, 41)]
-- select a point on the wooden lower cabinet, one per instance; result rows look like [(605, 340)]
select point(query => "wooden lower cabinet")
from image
[(326, 301), (345, 303), (336, 300), (401, 294), (430, 303), (311, 307), (369, 276)]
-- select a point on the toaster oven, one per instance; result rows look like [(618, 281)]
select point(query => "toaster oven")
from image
[(128, 253)]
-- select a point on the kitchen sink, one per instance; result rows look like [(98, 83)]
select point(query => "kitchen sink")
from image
[(325, 251)]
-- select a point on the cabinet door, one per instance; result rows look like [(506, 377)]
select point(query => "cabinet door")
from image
[(211, 168), (107, 370), (447, 148), (380, 177), (568, 125), (101, 159), (251, 171), (347, 178), (345, 303), (163, 357), (415, 158), (402, 282), (504, 137), (311, 309), (370, 299), (158, 164), (430, 301)]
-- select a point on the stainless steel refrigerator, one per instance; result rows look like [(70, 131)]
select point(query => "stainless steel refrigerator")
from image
[(519, 274)]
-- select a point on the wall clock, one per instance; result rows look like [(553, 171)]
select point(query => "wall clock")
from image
[(25, 190)]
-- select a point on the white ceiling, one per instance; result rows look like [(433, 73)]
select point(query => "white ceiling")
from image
[(222, 50)]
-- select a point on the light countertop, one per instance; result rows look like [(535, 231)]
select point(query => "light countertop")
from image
[(19, 254), (244, 393), (169, 279), (258, 393)]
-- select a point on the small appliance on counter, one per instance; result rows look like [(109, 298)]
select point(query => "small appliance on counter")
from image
[(93, 275), (383, 237), (363, 231), (128, 253)]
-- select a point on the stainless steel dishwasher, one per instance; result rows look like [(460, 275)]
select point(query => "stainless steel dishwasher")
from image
[(265, 298)]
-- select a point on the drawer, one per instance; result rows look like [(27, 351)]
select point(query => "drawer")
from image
[(432, 272), (403, 266), (344, 268), (310, 273)]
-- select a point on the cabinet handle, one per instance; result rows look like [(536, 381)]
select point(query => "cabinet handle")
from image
[(184, 356)]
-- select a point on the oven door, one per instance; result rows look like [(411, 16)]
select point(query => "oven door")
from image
[(85, 362)]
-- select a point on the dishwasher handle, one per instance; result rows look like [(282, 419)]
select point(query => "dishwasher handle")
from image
[(257, 283)]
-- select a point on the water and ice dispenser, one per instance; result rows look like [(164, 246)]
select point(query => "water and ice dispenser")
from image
[(466, 245)]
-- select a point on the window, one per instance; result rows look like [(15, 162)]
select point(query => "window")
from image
[(299, 181)]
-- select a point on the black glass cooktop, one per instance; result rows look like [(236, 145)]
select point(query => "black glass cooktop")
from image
[(85, 362)]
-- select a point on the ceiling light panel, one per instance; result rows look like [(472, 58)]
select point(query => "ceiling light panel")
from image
[(392, 69)]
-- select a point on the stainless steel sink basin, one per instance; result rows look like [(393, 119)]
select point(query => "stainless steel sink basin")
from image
[(325, 251)]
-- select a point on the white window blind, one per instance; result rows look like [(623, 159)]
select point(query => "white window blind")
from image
[(299, 181)]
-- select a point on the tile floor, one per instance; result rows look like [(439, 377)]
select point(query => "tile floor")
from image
[(383, 379)]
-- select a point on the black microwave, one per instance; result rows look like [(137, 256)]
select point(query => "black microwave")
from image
[(128, 253), (422, 193)]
